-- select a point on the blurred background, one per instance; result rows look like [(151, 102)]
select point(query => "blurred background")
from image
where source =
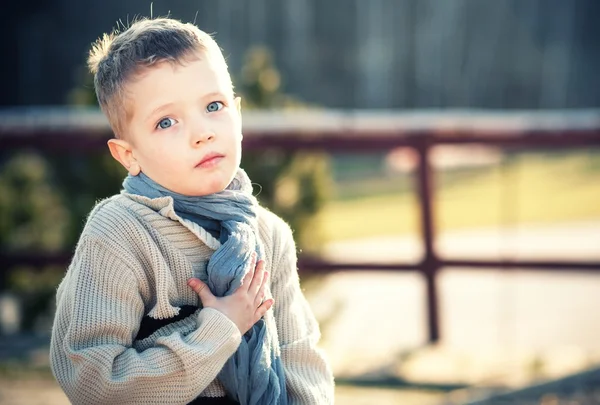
[(437, 160)]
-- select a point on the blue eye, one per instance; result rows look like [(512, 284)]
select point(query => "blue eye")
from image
[(165, 123), (214, 106)]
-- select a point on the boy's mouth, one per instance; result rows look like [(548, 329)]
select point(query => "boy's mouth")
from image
[(210, 159)]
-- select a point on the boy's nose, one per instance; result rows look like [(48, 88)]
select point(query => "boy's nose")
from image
[(200, 130), (203, 136)]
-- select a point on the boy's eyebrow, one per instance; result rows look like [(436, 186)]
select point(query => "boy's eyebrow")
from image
[(213, 94), (158, 109)]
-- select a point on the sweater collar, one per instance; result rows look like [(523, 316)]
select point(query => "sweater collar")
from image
[(165, 207)]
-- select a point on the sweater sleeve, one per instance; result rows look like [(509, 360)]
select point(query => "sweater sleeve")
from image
[(309, 377), (99, 310)]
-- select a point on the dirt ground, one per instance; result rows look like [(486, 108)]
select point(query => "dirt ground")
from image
[(45, 391), (34, 391)]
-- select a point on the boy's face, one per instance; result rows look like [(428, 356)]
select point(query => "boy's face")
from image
[(184, 130)]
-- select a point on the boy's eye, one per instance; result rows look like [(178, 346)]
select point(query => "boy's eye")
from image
[(214, 106), (165, 123)]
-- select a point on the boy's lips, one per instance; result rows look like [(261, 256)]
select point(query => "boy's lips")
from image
[(210, 159)]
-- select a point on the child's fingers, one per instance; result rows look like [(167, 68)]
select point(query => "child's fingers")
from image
[(263, 308), (257, 280), (200, 288), (260, 294)]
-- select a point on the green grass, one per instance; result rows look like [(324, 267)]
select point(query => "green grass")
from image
[(530, 188)]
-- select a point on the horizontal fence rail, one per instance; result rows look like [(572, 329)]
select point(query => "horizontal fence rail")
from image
[(328, 131), (359, 131)]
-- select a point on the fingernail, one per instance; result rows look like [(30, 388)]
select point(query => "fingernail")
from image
[(192, 283)]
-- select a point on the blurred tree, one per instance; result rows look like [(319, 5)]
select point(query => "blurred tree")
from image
[(260, 82), (294, 185), (33, 217), (44, 200)]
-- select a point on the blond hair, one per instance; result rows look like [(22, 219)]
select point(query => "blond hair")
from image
[(115, 58)]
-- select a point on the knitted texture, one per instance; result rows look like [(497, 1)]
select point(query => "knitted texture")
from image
[(134, 258)]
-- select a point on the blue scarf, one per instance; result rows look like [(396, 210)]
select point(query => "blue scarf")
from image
[(254, 374)]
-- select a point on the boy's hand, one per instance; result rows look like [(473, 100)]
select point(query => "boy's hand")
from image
[(245, 306)]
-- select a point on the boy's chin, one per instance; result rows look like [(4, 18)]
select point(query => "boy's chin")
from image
[(217, 188)]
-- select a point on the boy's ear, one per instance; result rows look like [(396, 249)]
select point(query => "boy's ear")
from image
[(238, 104), (122, 152)]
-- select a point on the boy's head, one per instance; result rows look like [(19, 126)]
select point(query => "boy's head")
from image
[(166, 91)]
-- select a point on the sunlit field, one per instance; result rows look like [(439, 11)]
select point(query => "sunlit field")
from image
[(528, 188)]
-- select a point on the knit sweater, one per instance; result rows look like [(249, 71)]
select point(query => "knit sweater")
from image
[(132, 261)]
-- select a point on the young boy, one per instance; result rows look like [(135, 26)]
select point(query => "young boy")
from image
[(168, 296)]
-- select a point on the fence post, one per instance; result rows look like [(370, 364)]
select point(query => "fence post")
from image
[(429, 266)]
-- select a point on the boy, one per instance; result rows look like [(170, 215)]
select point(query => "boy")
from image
[(167, 299)]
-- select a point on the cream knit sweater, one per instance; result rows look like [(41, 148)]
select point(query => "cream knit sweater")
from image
[(134, 258)]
